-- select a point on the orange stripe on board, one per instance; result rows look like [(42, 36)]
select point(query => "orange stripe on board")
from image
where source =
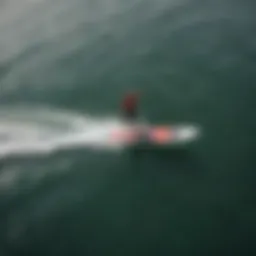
[(161, 135)]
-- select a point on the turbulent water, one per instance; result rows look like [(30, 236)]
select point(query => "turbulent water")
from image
[(64, 67)]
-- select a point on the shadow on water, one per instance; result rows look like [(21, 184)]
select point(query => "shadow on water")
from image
[(180, 160)]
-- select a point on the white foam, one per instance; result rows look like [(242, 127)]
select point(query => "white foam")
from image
[(29, 130)]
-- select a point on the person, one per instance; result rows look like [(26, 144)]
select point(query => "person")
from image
[(129, 106)]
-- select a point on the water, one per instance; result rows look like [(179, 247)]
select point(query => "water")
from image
[(64, 66)]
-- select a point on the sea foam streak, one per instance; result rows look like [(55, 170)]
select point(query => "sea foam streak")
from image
[(28, 130)]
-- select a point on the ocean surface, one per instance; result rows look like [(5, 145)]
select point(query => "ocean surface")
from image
[(64, 68)]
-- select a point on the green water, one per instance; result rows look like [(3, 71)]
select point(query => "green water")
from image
[(193, 61)]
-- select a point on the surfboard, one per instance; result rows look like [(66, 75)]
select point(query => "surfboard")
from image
[(163, 135)]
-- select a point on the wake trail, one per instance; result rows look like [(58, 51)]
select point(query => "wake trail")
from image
[(27, 130)]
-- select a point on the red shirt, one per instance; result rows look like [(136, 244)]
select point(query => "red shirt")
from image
[(130, 102)]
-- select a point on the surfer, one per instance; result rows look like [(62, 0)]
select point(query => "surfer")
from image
[(129, 112), (129, 106)]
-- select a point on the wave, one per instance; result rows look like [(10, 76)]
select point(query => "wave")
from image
[(42, 130)]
